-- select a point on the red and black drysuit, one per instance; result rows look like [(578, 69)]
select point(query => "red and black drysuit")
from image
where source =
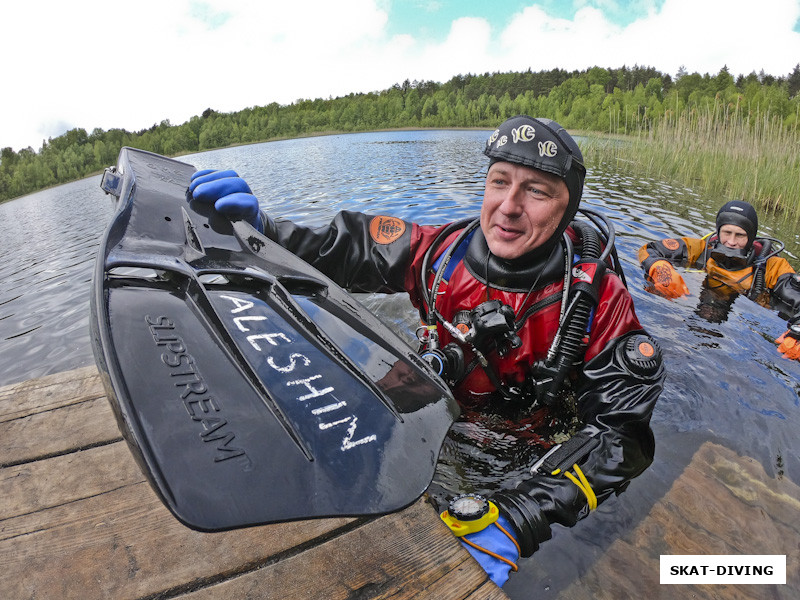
[(616, 386)]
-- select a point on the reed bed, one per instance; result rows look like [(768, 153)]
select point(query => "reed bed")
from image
[(722, 151)]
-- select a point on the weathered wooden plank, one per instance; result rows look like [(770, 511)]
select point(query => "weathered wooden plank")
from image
[(47, 393), (487, 591), (125, 544), (457, 584), (721, 504), (65, 428), (54, 415), (59, 480), (404, 556)]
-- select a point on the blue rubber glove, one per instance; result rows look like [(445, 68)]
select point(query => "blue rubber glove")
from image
[(493, 539), (229, 193)]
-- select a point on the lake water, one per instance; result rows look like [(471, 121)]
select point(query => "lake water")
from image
[(726, 382)]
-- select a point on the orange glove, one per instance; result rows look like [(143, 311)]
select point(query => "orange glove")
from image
[(789, 345), (666, 280)]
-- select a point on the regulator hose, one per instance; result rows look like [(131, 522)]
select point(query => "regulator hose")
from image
[(757, 287), (571, 344), (575, 323), (606, 229), (428, 308), (592, 248), (769, 247)]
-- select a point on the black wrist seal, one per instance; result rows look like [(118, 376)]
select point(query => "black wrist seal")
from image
[(530, 525)]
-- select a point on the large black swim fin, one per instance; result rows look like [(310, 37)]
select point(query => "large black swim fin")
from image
[(249, 386)]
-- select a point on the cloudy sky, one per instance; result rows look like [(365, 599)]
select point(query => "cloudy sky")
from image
[(106, 63)]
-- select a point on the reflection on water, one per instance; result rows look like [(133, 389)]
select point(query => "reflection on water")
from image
[(726, 382), (489, 451), (48, 245)]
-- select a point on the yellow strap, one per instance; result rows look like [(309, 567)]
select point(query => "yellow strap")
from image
[(583, 485), (592, 499)]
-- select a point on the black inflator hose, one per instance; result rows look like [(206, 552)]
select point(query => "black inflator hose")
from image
[(576, 320), (590, 239), (760, 270)]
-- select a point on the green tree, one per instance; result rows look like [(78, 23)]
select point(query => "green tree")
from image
[(608, 100), (793, 81)]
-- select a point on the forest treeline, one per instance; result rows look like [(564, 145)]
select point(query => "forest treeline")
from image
[(617, 101)]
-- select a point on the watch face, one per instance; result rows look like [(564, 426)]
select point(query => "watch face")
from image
[(468, 507)]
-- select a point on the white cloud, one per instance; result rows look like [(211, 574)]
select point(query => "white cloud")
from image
[(703, 35), (93, 63), (709, 34), (537, 41), (467, 49)]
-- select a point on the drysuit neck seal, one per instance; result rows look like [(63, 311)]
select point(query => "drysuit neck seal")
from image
[(731, 259), (513, 275)]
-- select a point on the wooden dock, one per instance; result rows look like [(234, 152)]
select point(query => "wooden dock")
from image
[(78, 520), (722, 503)]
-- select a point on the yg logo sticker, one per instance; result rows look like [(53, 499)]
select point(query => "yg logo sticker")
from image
[(523, 133), (548, 148)]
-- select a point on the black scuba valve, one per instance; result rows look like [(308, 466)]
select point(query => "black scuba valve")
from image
[(493, 321), (448, 362)]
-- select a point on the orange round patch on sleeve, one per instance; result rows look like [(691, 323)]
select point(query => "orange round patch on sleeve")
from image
[(671, 244), (646, 349), (385, 230)]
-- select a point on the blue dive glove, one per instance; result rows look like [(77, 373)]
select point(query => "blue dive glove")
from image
[(229, 193), (489, 539)]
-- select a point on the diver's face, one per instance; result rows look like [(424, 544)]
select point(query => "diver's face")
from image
[(521, 209), (733, 236)]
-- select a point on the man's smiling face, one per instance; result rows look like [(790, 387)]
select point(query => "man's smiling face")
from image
[(522, 208)]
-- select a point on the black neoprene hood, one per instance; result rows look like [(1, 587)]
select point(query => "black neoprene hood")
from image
[(739, 213), (545, 145)]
